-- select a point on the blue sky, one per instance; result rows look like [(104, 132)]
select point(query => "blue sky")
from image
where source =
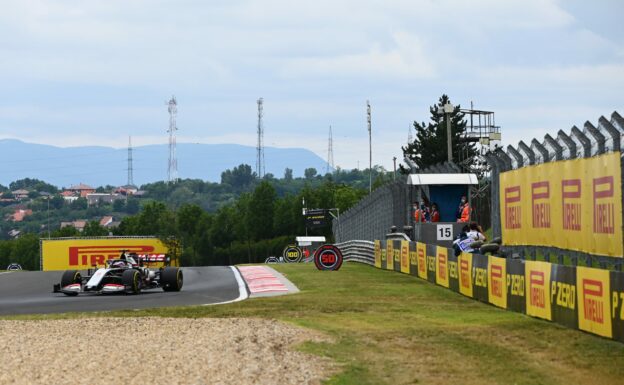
[(76, 72)]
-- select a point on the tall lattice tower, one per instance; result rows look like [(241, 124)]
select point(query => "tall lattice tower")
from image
[(410, 138), (370, 147), (260, 147), (130, 171), (330, 153), (172, 171)]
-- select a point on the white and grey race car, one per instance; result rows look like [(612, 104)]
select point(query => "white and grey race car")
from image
[(127, 274)]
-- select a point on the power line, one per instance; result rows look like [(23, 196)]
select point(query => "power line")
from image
[(260, 147), (330, 152), (172, 171), (130, 170), (370, 148)]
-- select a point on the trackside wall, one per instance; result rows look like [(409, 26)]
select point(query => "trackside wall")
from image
[(583, 298)]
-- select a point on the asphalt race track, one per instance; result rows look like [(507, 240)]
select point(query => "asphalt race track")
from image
[(30, 292)]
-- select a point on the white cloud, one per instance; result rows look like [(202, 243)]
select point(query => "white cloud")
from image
[(63, 62)]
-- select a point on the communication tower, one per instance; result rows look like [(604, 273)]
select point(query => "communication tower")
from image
[(260, 147), (330, 153), (130, 172), (410, 138), (370, 147), (172, 172)]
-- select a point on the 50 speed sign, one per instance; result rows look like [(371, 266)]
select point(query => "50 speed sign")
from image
[(328, 257)]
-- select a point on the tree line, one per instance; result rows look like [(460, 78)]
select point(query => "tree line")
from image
[(254, 226)]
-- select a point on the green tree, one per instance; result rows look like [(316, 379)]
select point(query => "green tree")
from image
[(132, 206), (430, 145), (310, 173), (288, 174), (65, 232), (261, 211), (154, 219), (25, 251), (222, 228), (119, 205), (189, 218), (57, 202), (33, 184), (94, 229), (284, 223), (240, 177), (79, 204)]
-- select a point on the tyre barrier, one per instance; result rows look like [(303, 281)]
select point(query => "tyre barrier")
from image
[(358, 251), (328, 257)]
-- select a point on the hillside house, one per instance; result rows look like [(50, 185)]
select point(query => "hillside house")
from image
[(77, 224), (97, 198), (19, 215), (20, 194), (81, 189), (69, 196), (127, 190)]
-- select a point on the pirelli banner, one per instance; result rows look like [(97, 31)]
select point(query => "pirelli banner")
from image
[(571, 204), (582, 298), (83, 253)]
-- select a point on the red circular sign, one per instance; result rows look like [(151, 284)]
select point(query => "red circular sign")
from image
[(328, 257)]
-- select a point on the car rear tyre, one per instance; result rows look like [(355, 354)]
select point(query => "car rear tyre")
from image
[(171, 279), (70, 277), (131, 279)]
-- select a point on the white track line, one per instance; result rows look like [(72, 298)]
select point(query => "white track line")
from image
[(242, 289)]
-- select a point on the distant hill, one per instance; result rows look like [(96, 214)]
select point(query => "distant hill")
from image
[(99, 166)]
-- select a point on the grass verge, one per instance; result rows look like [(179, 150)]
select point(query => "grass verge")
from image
[(390, 328)]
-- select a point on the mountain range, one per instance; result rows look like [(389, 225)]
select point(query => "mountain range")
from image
[(99, 166)]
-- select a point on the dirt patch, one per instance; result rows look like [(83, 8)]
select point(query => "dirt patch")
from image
[(158, 351)]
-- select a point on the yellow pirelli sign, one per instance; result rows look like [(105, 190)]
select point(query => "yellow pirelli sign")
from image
[(83, 253), (594, 306), (537, 278), (421, 251), (405, 260), (442, 273), (465, 273), (497, 282), (572, 204), (377, 253), (389, 255)]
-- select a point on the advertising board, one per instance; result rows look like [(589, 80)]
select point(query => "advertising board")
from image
[(84, 253)]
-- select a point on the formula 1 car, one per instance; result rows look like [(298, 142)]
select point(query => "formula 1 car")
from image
[(123, 275)]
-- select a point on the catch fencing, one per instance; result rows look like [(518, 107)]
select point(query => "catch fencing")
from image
[(552, 170), (372, 217), (583, 298)]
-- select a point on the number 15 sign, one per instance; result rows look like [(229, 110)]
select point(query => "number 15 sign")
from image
[(445, 232)]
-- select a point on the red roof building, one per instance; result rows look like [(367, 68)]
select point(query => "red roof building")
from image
[(82, 189)]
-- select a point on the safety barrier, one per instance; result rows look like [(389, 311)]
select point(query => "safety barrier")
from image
[(577, 297), (358, 251), (562, 196)]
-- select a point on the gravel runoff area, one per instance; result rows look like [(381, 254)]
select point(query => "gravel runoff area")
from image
[(157, 351)]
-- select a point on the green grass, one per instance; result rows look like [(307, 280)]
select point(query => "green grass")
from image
[(390, 328)]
